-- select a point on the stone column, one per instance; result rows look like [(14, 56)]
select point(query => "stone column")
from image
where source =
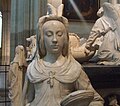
[(24, 18), (5, 32)]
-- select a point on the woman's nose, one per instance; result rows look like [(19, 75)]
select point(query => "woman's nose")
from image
[(54, 40)]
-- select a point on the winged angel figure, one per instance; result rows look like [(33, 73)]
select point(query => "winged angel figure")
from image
[(107, 26)]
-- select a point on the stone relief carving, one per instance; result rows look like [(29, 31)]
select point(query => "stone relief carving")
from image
[(55, 74), (16, 76), (107, 26)]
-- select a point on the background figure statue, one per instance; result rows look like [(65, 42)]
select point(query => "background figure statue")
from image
[(56, 74), (113, 101), (31, 50), (16, 73), (108, 26)]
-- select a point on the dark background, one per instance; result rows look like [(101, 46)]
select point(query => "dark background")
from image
[(88, 9)]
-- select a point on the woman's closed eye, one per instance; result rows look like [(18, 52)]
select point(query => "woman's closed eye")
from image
[(49, 33), (59, 33)]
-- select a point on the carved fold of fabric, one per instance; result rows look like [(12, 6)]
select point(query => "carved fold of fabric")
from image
[(62, 74)]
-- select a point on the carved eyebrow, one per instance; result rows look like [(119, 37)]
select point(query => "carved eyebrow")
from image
[(60, 30), (48, 31)]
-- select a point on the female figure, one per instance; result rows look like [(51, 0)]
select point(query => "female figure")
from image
[(56, 73), (16, 73)]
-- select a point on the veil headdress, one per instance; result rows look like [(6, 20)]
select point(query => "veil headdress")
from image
[(20, 56)]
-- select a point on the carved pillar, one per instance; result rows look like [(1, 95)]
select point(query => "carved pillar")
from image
[(5, 32), (24, 18)]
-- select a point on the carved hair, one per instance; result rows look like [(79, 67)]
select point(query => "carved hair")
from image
[(40, 35)]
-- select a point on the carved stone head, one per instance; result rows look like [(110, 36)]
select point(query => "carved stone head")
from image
[(20, 56), (52, 25)]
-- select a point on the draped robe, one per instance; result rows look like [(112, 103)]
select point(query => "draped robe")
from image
[(52, 84)]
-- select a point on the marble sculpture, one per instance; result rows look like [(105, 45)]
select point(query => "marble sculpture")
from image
[(16, 76), (55, 74), (108, 26)]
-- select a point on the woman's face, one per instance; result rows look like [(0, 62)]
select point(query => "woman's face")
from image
[(54, 36)]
